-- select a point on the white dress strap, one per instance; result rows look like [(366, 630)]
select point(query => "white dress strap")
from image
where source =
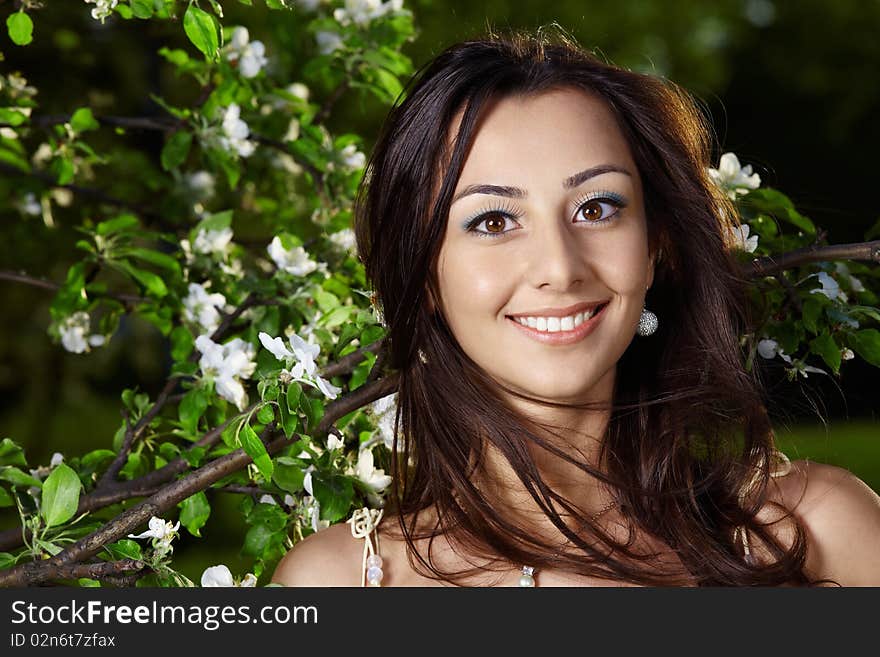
[(364, 524), (783, 467)]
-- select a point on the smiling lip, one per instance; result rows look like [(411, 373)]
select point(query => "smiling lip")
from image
[(562, 337), (561, 312)]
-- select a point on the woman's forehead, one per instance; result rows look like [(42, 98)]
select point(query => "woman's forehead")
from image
[(548, 132)]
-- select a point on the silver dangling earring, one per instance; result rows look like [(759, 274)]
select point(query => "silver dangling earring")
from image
[(422, 357), (648, 323)]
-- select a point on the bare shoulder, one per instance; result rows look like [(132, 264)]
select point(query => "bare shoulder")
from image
[(841, 516), (330, 557)]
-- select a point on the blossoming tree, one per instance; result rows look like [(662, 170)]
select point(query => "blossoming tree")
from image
[(277, 389)]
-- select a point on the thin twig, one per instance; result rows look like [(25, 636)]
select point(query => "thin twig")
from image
[(331, 100), (769, 265), (128, 300)]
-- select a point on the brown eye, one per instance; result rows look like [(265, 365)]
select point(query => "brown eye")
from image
[(495, 223), (599, 210)]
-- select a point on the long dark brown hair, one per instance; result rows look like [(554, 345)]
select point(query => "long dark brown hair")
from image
[(689, 442)]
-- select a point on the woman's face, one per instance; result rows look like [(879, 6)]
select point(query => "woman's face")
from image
[(548, 221)]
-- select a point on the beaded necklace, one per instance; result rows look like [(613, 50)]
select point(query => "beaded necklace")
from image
[(527, 578)]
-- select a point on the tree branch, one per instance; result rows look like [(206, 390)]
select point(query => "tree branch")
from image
[(331, 100), (128, 300), (89, 192), (769, 265), (36, 572)]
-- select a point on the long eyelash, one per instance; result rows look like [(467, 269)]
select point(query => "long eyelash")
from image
[(505, 210), (602, 195)]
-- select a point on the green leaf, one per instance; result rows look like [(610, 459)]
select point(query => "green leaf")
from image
[(117, 224), (83, 120), (60, 495), (825, 347), (88, 583), (7, 560), (153, 284), (334, 493), (194, 512), (12, 115), (192, 407), (176, 149), (288, 474), (20, 28), (181, 343), (18, 478), (142, 8), (255, 448), (257, 539), (294, 392), (266, 414), (11, 453), (63, 169), (5, 498), (125, 548), (867, 344), (337, 316), (812, 310), (152, 256), (289, 420), (201, 29)]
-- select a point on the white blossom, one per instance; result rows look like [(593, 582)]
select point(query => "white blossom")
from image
[(295, 261), (353, 158), (299, 90), (227, 364), (739, 236), (830, 287), (328, 41), (220, 575), (375, 479), (103, 8), (161, 532), (267, 499), (301, 357), (334, 442), (212, 241), (30, 205), (217, 576), (74, 332), (200, 308), (734, 179), (292, 133), (385, 411), (201, 182), (307, 479), (362, 12), (855, 283), (57, 459), (235, 132), (250, 55), (344, 239), (768, 348), (847, 354)]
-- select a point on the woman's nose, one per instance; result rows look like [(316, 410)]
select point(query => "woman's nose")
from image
[(556, 259)]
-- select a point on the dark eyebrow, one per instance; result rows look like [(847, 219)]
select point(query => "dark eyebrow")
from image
[(516, 192)]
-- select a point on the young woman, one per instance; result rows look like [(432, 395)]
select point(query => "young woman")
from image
[(565, 313)]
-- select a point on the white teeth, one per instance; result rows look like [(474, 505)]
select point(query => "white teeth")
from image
[(555, 324)]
